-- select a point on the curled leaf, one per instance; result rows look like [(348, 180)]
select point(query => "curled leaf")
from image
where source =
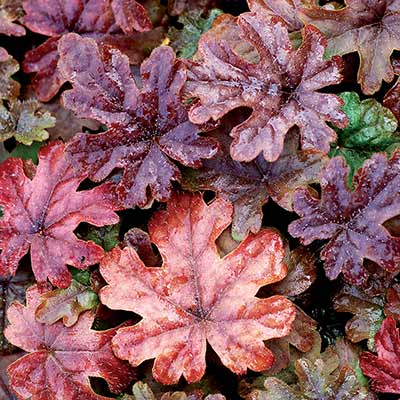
[(26, 121)]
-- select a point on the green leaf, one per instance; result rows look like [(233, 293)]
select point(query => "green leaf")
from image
[(25, 121), (185, 41), (371, 129), (107, 236)]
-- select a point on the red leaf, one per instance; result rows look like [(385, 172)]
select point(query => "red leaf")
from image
[(41, 214), (368, 27), (281, 88), (147, 127), (384, 369), (196, 296), (101, 19), (353, 220), (60, 359)]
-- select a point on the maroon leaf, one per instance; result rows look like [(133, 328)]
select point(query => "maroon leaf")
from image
[(177, 7), (384, 368), (392, 306), (249, 185), (392, 97), (60, 359), (352, 220), (101, 19), (41, 214), (147, 127), (281, 88)]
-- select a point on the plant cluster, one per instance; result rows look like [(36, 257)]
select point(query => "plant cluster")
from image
[(199, 199)]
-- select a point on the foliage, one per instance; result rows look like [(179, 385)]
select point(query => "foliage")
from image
[(199, 199)]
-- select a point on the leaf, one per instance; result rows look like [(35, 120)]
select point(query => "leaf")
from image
[(142, 391), (367, 311), (147, 127), (106, 236), (196, 296), (392, 306), (5, 361), (320, 376), (281, 88), (11, 288), (384, 367), (10, 11), (249, 185), (26, 121), (286, 9), (372, 128), (178, 7), (66, 304), (41, 214), (352, 220), (184, 41), (368, 27), (60, 359), (3, 54), (100, 19), (392, 97), (9, 88)]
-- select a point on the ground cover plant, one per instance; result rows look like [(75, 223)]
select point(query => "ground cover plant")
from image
[(199, 199)]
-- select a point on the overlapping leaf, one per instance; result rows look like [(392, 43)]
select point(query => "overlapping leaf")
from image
[(352, 220), (101, 19), (10, 12), (249, 185), (26, 121), (147, 127), (11, 289), (384, 368), (369, 27), (60, 359), (329, 375), (40, 215), (372, 128), (196, 297), (281, 89), (184, 41), (9, 88)]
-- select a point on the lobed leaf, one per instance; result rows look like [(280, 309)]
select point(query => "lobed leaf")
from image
[(369, 27), (196, 296), (281, 89), (352, 220), (60, 360), (40, 215), (25, 121), (146, 128)]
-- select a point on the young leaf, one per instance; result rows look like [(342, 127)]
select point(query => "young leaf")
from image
[(281, 89), (10, 11), (371, 129), (60, 359), (147, 127), (368, 27), (184, 41), (384, 368), (367, 311), (67, 304), (41, 214), (249, 185), (99, 19), (9, 88), (26, 121), (196, 296), (320, 376), (352, 220)]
